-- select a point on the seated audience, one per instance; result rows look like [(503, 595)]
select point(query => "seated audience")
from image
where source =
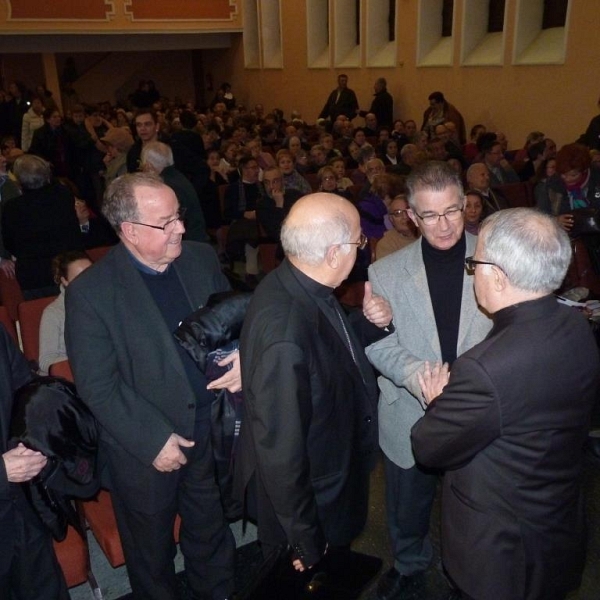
[(403, 230), (470, 150), (292, 178), (500, 170), (328, 182), (478, 178), (339, 168), (65, 267), (473, 211), (375, 205), (575, 185), (274, 202), (241, 199)]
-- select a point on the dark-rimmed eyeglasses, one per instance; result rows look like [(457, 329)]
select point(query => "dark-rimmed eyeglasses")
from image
[(452, 214), (168, 226), (471, 263), (401, 212), (362, 243)]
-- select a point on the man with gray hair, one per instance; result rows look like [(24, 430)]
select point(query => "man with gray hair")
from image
[(309, 437), (436, 318), (157, 157), (509, 423), (148, 395)]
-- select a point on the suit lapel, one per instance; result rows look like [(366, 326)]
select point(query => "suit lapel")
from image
[(136, 297), (416, 295)]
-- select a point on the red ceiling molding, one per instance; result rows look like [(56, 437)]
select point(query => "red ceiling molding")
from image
[(180, 10), (89, 10)]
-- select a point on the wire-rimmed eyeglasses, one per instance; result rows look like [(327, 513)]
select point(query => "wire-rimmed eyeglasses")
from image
[(168, 226)]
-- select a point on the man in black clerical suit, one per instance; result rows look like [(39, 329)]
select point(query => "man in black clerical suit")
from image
[(309, 436), (510, 423)]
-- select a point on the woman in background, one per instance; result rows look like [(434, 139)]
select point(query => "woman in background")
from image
[(65, 268)]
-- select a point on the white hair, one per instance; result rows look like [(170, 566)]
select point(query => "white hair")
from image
[(309, 241), (157, 154), (531, 248)]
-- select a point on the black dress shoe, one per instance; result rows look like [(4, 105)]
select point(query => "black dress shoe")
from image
[(392, 585)]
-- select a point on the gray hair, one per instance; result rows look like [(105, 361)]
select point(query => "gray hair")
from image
[(407, 149), (531, 248), (310, 240), (366, 153), (120, 203), (435, 176), (32, 172), (157, 154)]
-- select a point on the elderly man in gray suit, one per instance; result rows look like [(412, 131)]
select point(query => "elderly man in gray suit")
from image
[(436, 319)]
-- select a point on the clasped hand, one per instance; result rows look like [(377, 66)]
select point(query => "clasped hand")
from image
[(23, 464), (433, 380), (171, 458)]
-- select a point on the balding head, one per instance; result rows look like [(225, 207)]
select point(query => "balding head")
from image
[(319, 237), (478, 177)]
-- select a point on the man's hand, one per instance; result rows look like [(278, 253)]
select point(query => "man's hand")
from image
[(433, 381), (23, 464), (376, 308), (171, 458), (232, 380), (7, 266)]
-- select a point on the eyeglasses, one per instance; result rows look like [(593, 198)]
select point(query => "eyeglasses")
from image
[(471, 263), (452, 214), (401, 212), (168, 226), (362, 243)]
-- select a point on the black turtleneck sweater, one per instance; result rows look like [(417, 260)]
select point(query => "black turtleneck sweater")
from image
[(445, 271)]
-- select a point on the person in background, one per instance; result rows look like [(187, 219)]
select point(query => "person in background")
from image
[(38, 225), (33, 119), (118, 141), (65, 267), (473, 213), (403, 230)]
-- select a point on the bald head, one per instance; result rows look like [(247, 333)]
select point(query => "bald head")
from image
[(317, 236)]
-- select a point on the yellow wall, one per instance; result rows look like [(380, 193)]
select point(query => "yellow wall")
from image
[(557, 99)]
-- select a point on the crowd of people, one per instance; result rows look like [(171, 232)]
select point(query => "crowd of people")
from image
[(402, 207)]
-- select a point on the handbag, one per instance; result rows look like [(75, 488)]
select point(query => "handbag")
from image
[(586, 221)]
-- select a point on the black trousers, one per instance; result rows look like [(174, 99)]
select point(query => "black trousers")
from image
[(206, 540), (34, 573), (409, 498)]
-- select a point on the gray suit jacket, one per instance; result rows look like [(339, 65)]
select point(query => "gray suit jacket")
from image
[(401, 279)]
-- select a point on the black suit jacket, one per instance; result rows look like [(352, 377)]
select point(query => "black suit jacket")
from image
[(128, 370), (346, 105), (310, 429), (509, 427)]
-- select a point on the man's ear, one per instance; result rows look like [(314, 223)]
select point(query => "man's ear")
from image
[(500, 279), (332, 256), (129, 232), (413, 217)]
